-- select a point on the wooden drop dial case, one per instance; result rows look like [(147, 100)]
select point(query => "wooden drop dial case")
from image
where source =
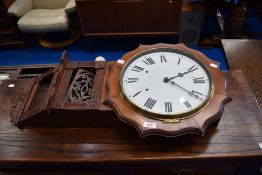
[(86, 94), (150, 125)]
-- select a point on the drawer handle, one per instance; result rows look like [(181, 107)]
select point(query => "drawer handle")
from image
[(127, 1)]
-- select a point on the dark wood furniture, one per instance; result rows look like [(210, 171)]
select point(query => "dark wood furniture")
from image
[(129, 17), (246, 56), (9, 34), (231, 147)]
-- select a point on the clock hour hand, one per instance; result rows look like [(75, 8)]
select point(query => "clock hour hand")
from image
[(191, 69), (191, 93)]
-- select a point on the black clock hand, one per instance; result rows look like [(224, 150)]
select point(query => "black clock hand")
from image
[(190, 93), (166, 80), (193, 68), (179, 86)]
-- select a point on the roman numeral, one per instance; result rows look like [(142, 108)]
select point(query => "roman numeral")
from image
[(178, 60), (193, 68), (149, 61), (150, 103), (132, 80), (163, 59), (199, 80), (137, 69), (188, 105), (168, 106), (137, 93)]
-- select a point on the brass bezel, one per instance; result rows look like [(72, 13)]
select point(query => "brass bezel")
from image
[(167, 118)]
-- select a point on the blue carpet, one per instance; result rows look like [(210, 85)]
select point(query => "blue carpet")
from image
[(215, 54), (111, 49)]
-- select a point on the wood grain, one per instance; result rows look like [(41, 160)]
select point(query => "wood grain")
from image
[(100, 18), (225, 149), (246, 56)]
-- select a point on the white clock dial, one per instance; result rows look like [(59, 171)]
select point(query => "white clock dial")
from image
[(165, 81)]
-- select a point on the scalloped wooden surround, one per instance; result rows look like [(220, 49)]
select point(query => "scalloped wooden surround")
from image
[(147, 126)]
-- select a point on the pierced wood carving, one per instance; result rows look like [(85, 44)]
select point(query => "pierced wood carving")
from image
[(81, 87)]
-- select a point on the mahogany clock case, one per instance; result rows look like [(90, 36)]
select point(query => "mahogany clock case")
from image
[(87, 94), (172, 126)]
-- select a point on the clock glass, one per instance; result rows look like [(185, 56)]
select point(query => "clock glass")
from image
[(166, 82)]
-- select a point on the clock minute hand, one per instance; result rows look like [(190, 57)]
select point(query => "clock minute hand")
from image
[(191, 69), (179, 86), (189, 92)]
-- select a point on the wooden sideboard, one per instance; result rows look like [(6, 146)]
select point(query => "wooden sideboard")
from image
[(9, 34), (232, 146), (129, 17)]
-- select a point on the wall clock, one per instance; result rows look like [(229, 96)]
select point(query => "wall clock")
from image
[(165, 89), (159, 89)]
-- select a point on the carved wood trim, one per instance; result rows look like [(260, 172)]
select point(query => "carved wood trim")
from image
[(59, 85), (98, 85), (49, 90), (23, 89)]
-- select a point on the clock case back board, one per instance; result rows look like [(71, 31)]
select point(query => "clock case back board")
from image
[(146, 125)]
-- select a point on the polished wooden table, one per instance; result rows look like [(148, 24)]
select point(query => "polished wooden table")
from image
[(246, 55), (229, 147)]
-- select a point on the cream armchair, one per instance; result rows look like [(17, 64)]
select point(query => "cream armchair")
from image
[(42, 16)]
